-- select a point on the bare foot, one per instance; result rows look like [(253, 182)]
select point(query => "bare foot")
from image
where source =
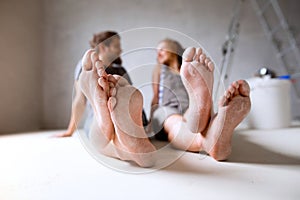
[(233, 108), (197, 76), (92, 74), (126, 106)]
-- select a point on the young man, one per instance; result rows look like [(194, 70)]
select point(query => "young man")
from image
[(107, 44)]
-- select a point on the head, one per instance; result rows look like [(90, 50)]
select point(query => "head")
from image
[(169, 51), (108, 44)]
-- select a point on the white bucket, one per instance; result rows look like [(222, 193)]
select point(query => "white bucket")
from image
[(271, 107)]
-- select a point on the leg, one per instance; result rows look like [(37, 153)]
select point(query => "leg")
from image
[(98, 97), (233, 108), (216, 139), (97, 86), (125, 106), (197, 76), (180, 135)]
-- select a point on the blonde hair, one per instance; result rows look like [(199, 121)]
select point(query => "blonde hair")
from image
[(175, 48)]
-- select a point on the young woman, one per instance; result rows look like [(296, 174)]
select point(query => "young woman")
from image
[(169, 94)]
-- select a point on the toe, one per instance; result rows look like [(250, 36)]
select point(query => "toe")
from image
[(235, 85), (223, 101), (227, 94), (198, 53), (102, 81), (244, 88), (112, 102), (94, 57), (188, 54), (231, 90), (112, 91), (122, 81), (100, 69), (206, 61), (112, 79), (99, 65), (202, 58), (211, 66), (86, 60)]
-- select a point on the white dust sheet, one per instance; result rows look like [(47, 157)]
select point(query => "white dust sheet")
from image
[(263, 165)]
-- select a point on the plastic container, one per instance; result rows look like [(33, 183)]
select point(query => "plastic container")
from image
[(271, 107)]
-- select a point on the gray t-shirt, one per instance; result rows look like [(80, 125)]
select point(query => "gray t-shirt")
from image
[(173, 99)]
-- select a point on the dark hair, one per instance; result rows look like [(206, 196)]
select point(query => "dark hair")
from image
[(106, 38), (103, 37)]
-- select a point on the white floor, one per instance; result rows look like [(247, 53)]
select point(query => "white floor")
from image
[(263, 165)]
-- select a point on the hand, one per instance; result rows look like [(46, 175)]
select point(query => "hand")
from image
[(65, 134)]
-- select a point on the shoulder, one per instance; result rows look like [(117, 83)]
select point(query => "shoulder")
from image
[(157, 69)]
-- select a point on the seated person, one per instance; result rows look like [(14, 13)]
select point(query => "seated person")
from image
[(108, 46)]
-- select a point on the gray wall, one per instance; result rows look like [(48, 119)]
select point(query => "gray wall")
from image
[(20, 65), (37, 87)]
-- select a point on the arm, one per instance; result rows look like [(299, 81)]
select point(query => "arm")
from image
[(78, 107), (155, 88), (155, 98)]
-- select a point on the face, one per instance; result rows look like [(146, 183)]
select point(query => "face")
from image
[(164, 54), (114, 49)]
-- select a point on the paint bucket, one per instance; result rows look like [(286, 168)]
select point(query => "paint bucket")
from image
[(271, 106)]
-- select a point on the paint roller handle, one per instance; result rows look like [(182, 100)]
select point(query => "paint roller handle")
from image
[(292, 77)]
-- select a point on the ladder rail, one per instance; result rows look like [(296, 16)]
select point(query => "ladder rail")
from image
[(283, 22), (229, 47), (281, 53), (291, 47)]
